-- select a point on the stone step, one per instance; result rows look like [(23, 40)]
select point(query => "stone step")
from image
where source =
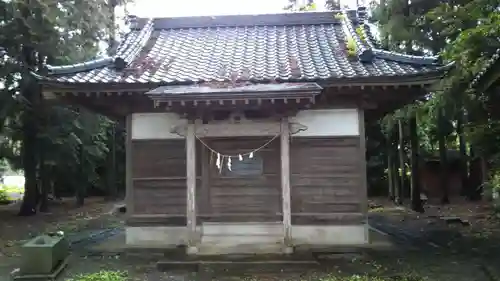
[(239, 247), (248, 229), (241, 239)]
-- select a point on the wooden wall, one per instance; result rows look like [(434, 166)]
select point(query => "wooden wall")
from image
[(326, 180), (326, 186), (253, 197), (159, 181)]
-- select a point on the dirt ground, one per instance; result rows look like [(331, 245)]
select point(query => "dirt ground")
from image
[(63, 215), (463, 226), (448, 260)]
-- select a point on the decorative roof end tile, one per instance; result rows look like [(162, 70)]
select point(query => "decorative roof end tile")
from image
[(119, 64), (132, 21), (366, 55), (362, 14), (363, 50)]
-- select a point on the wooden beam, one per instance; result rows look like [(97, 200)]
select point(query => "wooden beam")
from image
[(191, 187), (285, 180), (252, 129)]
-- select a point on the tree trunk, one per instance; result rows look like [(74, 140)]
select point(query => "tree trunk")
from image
[(464, 175), (402, 168), (29, 155), (443, 159), (44, 180), (396, 177), (484, 176), (80, 188), (474, 175), (385, 35), (416, 202), (392, 177), (43, 175), (112, 28), (112, 187), (45, 188), (390, 172)]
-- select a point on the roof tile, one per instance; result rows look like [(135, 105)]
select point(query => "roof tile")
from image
[(263, 46)]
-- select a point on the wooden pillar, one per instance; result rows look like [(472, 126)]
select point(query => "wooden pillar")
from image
[(362, 158), (191, 186), (129, 188), (285, 180)]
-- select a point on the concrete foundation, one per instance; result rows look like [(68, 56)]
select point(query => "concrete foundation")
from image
[(247, 238)]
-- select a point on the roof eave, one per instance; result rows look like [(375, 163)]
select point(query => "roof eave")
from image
[(125, 54), (373, 44), (385, 81)]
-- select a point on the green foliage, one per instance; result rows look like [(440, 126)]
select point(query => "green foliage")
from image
[(9, 188), (371, 278), (102, 276), (293, 7), (72, 145), (5, 190), (450, 28), (351, 47), (492, 189), (339, 16), (465, 32), (4, 197), (361, 33)]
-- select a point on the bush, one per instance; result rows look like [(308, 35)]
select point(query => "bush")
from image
[(102, 276), (492, 189), (4, 198)]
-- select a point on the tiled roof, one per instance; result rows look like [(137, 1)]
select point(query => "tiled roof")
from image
[(307, 46)]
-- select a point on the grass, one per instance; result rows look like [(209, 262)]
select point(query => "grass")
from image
[(12, 188), (7, 190), (371, 278), (106, 275)]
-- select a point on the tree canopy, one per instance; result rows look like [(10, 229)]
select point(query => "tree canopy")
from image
[(58, 147)]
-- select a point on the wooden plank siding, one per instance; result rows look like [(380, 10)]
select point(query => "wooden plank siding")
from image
[(235, 197), (159, 182), (325, 182)]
